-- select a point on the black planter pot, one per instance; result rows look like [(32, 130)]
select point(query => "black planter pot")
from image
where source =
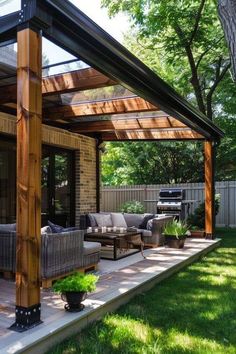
[(174, 242), (74, 299)]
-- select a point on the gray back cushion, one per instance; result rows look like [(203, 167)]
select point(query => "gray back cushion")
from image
[(118, 220), (7, 227), (103, 219), (133, 219)]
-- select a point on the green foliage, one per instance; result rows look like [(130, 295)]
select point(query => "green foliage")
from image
[(186, 39), (133, 207), (176, 229), (76, 282), (184, 44), (197, 219), (152, 163)]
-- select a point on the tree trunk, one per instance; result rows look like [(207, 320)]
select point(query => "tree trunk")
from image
[(227, 14)]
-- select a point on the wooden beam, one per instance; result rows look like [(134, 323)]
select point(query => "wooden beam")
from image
[(165, 134), (29, 131), (125, 124), (116, 106), (209, 189), (83, 79), (79, 80)]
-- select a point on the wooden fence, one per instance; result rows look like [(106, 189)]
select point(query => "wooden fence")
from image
[(113, 197)]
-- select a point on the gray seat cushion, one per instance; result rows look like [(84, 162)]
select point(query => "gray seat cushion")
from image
[(145, 232), (91, 247), (133, 219)]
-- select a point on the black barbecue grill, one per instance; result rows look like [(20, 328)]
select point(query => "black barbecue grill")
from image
[(171, 202)]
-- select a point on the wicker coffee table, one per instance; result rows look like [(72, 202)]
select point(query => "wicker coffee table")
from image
[(117, 245)]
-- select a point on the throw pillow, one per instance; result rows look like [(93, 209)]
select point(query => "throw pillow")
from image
[(146, 218), (57, 229), (149, 224), (92, 220), (118, 220), (46, 230), (103, 219), (71, 228), (7, 228), (133, 219)]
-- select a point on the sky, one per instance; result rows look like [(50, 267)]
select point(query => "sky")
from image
[(92, 8)]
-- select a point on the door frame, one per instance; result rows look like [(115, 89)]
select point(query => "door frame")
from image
[(52, 151)]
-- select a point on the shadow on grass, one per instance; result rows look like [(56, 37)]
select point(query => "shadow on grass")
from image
[(193, 311)]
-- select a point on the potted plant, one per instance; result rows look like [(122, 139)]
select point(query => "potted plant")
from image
[(74, 289), (175, 233), (196, 231), (196, 221)]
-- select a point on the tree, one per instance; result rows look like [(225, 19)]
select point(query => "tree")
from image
[(188, 35), (152, 162), (227, 14), (184, 43)]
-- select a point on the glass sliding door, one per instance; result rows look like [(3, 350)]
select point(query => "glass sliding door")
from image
[(57, 186)]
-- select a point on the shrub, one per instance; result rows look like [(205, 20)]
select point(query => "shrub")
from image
[(133, 207), (76, 282), (197, 219)]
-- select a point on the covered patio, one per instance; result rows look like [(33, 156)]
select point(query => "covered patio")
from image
[(112, 97)]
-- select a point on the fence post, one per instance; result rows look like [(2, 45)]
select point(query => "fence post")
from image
[(227, 204)]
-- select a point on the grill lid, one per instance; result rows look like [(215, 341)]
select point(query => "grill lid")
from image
[(171, 194)]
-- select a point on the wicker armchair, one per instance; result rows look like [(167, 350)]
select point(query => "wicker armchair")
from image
[(61, 254)]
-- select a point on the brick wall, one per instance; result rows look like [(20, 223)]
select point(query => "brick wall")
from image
[(85, 177)]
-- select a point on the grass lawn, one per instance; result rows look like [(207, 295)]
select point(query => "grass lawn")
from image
[(194, 311)]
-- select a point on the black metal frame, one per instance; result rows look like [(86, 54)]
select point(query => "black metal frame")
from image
[(68, 27)]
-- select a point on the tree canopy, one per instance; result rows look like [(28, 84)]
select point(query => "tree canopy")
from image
[(183, 42)]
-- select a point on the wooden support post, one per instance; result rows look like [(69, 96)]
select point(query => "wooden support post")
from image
[(209, 190), (29, 127), (98, 175)]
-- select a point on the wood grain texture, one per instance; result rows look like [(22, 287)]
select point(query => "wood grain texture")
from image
[(83, 79), (125, 124), (209, 188), (29, 127), (116, 106), (171, 134)]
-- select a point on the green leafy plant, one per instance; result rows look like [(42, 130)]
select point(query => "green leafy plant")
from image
[(197, 219), (133, 207), (176, 229), (76, 282)]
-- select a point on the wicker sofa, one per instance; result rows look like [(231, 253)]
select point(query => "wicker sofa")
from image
[(152, 235), (61, 254)]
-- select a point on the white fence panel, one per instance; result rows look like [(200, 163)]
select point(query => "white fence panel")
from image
[(113, 197)]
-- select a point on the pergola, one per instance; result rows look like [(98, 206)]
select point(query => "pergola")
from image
[(114, 98)]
